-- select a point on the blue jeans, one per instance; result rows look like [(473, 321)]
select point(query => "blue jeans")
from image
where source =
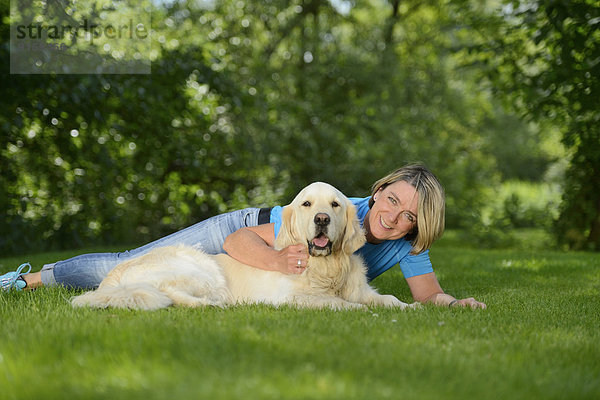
[(87, 271)]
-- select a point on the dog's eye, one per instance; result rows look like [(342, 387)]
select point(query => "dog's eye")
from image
[(335, 204), (306, 204)]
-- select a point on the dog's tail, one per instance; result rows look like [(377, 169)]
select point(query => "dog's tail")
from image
[(139, 296)]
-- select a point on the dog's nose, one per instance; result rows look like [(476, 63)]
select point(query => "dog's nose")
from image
[(322, 219)]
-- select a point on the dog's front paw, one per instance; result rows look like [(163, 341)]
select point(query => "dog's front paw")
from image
[(387, 300), (406, 306), (348, 306), (414, 306)]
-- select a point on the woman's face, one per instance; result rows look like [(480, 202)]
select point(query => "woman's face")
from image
[(394, 213)]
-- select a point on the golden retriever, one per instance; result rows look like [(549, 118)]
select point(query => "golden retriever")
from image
[(320, 216)]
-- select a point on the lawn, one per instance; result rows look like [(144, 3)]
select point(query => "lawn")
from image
[(539, 338)]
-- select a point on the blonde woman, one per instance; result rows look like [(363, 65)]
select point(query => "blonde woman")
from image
[(402, 218)]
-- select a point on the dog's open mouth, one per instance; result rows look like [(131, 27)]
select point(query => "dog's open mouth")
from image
[(320, 245), (321, 241)]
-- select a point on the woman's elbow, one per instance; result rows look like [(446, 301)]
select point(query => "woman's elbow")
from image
[(228, 243)]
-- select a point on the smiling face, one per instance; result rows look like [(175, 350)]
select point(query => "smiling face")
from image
[(324, 219), (393, 214)]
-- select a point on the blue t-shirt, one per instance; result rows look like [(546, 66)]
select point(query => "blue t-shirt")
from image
[(383, 256)]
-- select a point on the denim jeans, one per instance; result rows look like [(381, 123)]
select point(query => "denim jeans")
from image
[(87, 271)]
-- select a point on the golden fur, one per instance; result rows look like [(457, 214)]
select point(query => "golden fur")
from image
[(178, 275)]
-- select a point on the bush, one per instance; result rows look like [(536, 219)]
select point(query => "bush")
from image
[(514, 205)]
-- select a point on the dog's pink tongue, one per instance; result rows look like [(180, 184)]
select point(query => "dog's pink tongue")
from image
[(320, 241)]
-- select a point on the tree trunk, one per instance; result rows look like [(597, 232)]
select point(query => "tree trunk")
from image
[(389, 33), (594, 236)]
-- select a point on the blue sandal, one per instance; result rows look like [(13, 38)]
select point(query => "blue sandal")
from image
[(14, 279)]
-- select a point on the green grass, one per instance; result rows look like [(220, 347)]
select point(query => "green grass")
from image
[(539, 338)]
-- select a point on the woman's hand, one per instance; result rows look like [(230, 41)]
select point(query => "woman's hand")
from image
[(470, 302), (254, 246), (293, 259), (426, 289)]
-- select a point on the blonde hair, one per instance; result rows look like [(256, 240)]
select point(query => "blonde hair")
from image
[(431, 206)]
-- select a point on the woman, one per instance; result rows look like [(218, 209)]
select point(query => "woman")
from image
[(401, 218)]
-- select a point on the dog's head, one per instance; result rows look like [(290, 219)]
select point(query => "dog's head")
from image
[(322, 217)]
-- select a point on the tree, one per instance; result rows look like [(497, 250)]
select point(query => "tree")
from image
[(247, 102), (544, 55)]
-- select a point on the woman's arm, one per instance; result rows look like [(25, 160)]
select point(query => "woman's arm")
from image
[(254, 246), (426, 289)]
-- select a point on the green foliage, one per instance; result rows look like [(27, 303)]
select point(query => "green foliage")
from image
[(511, 206), (537, 340), (545, 57), (527, 205), (248, 102), (522, 152)]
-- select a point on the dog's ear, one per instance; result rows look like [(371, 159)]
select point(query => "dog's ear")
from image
[(288, 233), (354, 235)]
